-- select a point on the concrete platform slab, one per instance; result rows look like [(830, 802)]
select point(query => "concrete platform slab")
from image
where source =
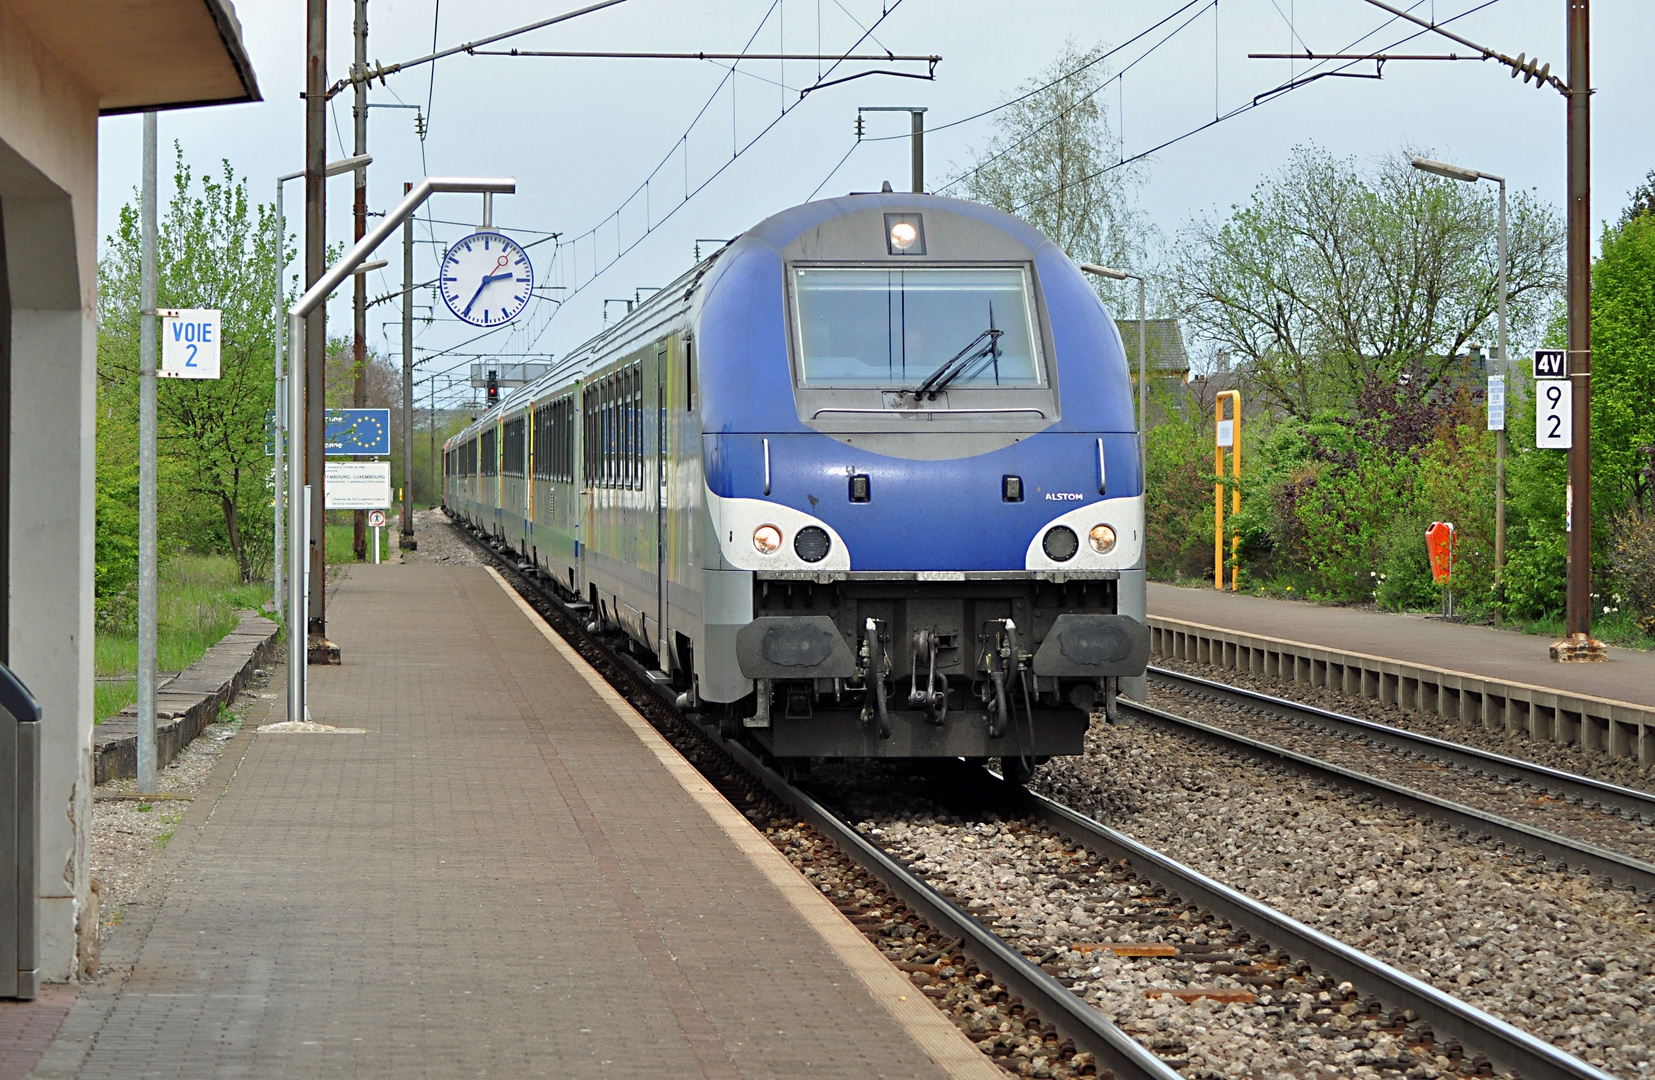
[(501, 876), (1628, 675)]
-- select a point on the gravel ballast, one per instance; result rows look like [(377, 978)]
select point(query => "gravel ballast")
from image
[(1549, 952), (1538, 807)]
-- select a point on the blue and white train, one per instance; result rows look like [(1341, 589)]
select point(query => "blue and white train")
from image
[(864, 483)]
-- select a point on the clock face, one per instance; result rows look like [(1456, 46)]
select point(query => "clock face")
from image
[(486, 279)]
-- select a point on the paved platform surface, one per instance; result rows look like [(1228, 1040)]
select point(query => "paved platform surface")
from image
[(1629, 675), (499, 876)]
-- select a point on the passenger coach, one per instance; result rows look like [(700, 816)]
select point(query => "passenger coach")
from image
[(865, 482)]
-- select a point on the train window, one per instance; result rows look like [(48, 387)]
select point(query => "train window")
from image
[(513, 446), (635, 424), (537, 445), (594, 441), (608, 396), (623, 429), (569, 439), (490, 448), (689, 375), (899, 328)]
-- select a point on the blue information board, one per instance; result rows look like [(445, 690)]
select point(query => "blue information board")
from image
[(358, 432)]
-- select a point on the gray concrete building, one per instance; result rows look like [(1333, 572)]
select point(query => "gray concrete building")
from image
[(63, 64)]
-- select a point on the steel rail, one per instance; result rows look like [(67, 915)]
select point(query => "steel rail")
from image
[(1622, 869), (1628, 801), (1090, 1030), (1506, 1046)]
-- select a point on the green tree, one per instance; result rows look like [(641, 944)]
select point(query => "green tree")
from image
[(1330, 277), (216, 249), (1049, 163)]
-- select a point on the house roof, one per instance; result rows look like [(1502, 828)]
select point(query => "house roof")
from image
[(1163, 342), (142, 55)]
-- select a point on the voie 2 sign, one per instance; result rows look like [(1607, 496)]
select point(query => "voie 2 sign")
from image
[(189, 344)]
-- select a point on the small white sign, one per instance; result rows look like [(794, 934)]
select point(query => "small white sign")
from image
[(376, 518), (1496, 403), (1226, 433), (1553, 414), (189, 344), (358, 485)]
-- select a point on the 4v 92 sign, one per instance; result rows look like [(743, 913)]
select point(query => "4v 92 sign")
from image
[(189, 344), (1553, 414)]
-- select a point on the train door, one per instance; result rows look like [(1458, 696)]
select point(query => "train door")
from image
[(662, 570)]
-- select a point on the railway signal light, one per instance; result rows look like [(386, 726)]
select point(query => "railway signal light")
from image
[(493, 389)]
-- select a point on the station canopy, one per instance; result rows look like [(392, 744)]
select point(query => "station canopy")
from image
[(139, 55)]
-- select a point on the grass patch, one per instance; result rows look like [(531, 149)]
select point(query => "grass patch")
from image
[(340, 541), (196, 604)]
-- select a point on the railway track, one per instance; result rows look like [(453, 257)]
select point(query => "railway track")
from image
[(1027, 1011), (1572, 807)]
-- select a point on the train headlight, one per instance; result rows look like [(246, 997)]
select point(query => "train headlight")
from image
[(905, 234), (1060, 543), (767, 539), (1102, 539)]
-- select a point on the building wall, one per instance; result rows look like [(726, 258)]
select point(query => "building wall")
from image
[(48, 195)]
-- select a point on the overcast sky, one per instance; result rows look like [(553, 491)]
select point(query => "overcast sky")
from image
[(582, 135)]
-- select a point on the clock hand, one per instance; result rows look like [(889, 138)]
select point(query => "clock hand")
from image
[(480, 287)]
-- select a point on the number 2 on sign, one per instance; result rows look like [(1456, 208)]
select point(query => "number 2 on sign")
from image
[(1554, 414)]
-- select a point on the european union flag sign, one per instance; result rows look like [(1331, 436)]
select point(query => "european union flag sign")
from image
[(357, 432)]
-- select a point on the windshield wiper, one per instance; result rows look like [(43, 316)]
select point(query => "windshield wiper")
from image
[(981, 347)]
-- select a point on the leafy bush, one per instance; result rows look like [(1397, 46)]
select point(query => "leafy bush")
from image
[(1404, 577), (1632, 561), (1535, 570)]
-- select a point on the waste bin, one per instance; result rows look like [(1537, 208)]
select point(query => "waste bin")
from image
[(19, 835)]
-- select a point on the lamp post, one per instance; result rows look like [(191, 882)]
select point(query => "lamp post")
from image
[(314, 298), (1471, 176), (1143, 352), (334, 168)]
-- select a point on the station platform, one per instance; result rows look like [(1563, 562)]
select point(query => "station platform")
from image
[(1628, 675), (493, 867)]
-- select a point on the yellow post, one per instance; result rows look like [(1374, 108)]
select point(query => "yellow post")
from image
[(1226, 433)]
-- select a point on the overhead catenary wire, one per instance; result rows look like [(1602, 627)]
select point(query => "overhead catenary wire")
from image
[(681, 145), (1261, 99)]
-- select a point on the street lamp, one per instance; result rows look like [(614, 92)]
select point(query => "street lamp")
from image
[(278, 424), (1471, 176), (1143, 367)]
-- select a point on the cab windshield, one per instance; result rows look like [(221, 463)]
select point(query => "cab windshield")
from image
[(900, 328)]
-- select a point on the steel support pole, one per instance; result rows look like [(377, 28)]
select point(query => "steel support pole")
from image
[(315, 330), (359, 304), (1579, 608), (278, 410), (918, 150), (1502, 364), (298, 538), (407, 542), (147, 583)]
